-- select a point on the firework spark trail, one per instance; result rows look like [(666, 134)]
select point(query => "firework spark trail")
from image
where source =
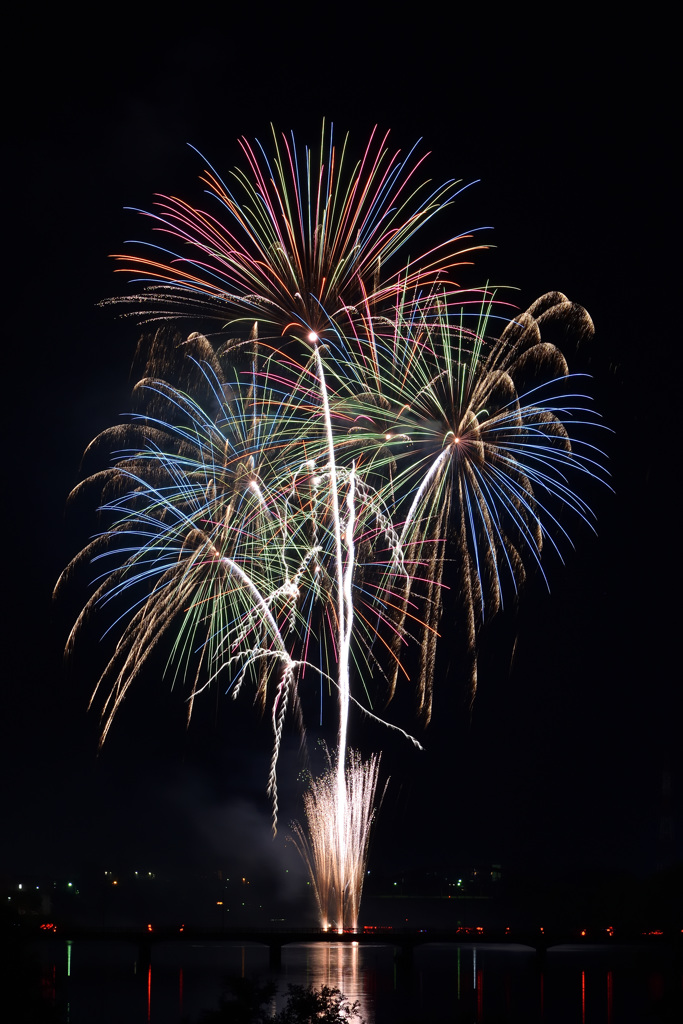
[(345, 629), (339, 806), (336, 521), (344, 609), (338, 879), (287, 682)]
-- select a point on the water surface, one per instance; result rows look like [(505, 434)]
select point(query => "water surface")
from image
[(106, 982)]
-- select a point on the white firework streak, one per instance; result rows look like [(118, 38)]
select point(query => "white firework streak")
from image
[(339, 805)]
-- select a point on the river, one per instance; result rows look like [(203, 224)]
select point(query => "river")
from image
[(103, 982)]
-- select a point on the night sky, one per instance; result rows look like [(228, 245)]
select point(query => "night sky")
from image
[(567, 127)]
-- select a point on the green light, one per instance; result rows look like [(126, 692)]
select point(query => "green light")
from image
[(458, 972)]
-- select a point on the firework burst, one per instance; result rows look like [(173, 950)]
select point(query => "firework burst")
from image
[(227, 538), (296, 239), (474, 443), (301, 485)]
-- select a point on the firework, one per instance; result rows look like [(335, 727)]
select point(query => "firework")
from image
[(191, 520), (224, 535), (301, 484), (297, 239), (474, 443), (336, 851)]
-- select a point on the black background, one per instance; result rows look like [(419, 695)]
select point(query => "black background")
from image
[(567, 125)]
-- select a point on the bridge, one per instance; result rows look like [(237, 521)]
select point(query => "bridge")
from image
[(404, 940)]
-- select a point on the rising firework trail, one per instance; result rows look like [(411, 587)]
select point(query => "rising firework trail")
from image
[(299, 482)]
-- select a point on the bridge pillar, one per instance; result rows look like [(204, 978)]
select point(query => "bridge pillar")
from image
[(144, 953), (275, 956), (403, 956)]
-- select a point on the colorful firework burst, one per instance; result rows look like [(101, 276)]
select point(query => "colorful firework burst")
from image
[(307, 480), (224, 533), (299, 238), (475, 444)]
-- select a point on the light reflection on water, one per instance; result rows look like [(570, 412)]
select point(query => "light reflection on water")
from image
[(335, 964), (462, 984)]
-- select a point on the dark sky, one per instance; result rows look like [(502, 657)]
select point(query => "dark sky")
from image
[(567, 127)]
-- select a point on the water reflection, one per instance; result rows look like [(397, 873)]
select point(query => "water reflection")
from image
[(335, 964), (107, 981), (583, 997)]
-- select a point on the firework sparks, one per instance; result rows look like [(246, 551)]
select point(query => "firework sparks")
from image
[(260, 504), (336, 851), (296, 239), (473, 443), (225, 536)]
